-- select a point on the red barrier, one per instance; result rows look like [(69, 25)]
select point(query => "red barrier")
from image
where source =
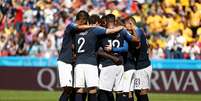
[(28, 78), (177, 81), (181, 81)]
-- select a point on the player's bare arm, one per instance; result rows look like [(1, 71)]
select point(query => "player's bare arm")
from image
[(115, 59), (114, 30), (85, 27), (136, 41), (134, 36)]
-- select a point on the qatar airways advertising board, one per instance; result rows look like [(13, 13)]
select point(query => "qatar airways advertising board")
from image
[(172, 79)]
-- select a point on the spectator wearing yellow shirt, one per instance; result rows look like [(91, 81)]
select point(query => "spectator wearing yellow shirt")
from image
[(170, 2), (195, 17), (187, 33), (199, 34), (184, 2), (154, 23), (172, 25), (198, 5), (149, 21)]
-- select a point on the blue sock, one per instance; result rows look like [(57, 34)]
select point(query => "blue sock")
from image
[(141, 97), (63, 97), (127, 98), (92, 97), (110, 96), (124, 97), (118, 96), (144, 97), (131, 99), (121, 97), (78, 97), (72, 96), (102, 96), (84, 96)]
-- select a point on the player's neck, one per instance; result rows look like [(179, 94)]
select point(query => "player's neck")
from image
[(110, 25), (135, 27)]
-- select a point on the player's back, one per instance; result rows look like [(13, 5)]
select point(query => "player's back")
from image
[(129, 58), (116, 40), (141, 54), (85, 43), (65, 54)]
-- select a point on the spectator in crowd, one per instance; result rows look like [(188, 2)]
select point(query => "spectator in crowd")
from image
[(35, 27)]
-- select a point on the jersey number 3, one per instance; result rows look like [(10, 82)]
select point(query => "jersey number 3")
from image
[(81, 42)]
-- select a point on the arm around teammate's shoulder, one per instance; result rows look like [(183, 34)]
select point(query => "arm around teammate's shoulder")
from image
[(131, 37), (104, 31), (123, 49), (77, 27), (114, 30)]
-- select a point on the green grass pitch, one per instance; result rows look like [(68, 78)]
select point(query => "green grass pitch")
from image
[(8, 95)]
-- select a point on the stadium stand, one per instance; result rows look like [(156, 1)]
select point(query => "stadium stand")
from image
[(35, 27)]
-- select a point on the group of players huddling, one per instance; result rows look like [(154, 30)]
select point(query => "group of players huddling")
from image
[(104, 56)]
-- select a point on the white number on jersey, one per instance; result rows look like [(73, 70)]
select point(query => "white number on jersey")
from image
[(81, 42), (114, 43)]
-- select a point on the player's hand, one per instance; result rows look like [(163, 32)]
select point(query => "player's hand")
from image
[(108, 48), (117, 61), (121, 27), (85, 27), (92, 26)]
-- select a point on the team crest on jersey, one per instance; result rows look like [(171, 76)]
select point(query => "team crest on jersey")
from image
[(118, 35)]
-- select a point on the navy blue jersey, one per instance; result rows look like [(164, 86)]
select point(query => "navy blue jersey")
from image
[(141, 54), (86, 44), (129, 58), (65, 54), (116, 40)]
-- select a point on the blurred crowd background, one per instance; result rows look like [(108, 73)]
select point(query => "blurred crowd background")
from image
[(35, 27)]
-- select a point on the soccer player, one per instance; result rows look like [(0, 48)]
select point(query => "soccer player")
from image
[(95, 20), (110, 73), (129, 62), (65, 63), (65, 59), (86, 71), (103, 21), (143, 72)]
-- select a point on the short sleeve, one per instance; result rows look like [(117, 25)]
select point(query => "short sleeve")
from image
[(121, 49), (100, 31), (141, 36), (139, 32), (127, 35), (72, 26)]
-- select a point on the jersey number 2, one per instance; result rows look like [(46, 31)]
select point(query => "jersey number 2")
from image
[(81, 42)]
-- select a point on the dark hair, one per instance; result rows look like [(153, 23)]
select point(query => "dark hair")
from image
[(120, 21), (103, 21), (132, 19), (110, 18), (82, 15), (94, 19)]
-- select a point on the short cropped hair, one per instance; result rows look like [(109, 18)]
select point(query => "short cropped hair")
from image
[(131, 18), (103, 21), (82, 15), (111, 18), (94, 19)]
